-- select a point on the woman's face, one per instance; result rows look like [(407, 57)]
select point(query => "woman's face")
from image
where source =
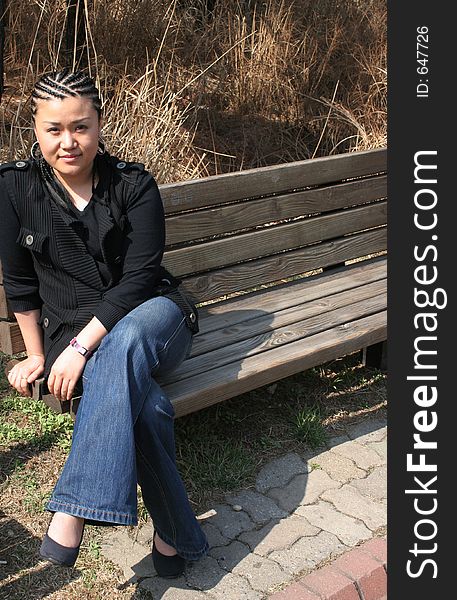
[(68, 133)]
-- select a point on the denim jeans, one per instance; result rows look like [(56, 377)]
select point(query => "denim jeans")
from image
[(124, 431)]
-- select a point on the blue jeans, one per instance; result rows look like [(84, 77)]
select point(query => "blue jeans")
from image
[(124, 432)]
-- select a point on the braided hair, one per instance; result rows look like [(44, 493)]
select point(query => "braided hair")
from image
[(60, 85), (63, 84)]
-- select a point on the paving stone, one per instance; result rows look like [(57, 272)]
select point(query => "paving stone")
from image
[(336, 439), (375, 484), (207, 575), (303, 489), (280, 471), (364, 457), (204, 574), (134, 559), (351, 502), (229, 556), (329, 583), (374, 585), (278, 535), (230, 522), (368, 430), (260, 508), (214, 536), (326, 517), (380, 448), (337, 467), (295, 591), (376, 547), (143, 535), (261, 573), (175, 589), (308, 552)]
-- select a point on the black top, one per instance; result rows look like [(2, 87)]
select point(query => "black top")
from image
[(88, 231), (47, 265)]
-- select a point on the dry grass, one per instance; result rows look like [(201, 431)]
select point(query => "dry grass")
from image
[(192, 92)]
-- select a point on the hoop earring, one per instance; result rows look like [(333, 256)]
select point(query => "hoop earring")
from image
[(101, 147), (35, 151)]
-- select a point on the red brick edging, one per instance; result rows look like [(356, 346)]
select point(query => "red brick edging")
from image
[(359, 574)]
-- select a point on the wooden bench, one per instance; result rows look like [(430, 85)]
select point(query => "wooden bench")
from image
[(280, 258)]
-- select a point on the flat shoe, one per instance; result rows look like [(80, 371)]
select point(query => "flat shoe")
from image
[(58, 554), (167, 566)]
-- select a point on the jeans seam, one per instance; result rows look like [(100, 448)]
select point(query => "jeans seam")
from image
[(172, 336), (162, 491), (73, 505)]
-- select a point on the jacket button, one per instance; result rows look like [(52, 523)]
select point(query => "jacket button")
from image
[(21, 164), (192, 317), (121, 165), (29, 240), (46, 322)]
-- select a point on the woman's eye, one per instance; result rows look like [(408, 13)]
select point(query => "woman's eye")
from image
[(52, 130), (80, 127)]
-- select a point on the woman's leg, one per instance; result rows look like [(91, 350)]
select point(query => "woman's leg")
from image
[(124, 423)]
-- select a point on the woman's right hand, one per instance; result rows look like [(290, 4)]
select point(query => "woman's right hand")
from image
[(25, 372)]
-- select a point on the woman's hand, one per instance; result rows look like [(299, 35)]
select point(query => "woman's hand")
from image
[(25, 372), (65, 373)]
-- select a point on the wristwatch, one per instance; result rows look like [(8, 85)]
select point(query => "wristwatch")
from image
[(77, 346)]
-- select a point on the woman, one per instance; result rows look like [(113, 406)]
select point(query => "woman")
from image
[(81, 242)]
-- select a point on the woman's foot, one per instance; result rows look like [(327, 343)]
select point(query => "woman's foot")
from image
[(61, 543), (163, 547), (66, 530), (166, 565)]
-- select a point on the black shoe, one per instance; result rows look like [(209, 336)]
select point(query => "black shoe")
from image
[(167, 566), (58, 554)]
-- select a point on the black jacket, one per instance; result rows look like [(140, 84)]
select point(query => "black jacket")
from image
[(46, 265)]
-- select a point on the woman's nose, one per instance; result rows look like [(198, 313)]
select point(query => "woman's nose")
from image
[(67, 140)]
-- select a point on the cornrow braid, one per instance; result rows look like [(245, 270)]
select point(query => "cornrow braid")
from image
[(64, 84)]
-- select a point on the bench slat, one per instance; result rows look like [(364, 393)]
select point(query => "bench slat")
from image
[(5, 312), (219, 189), (279, 297), (252, 213), (280, 266), (270, 331), (11, 341), (247, 246), (231, 380), (261, 317)]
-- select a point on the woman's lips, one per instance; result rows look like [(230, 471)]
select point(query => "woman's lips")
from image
[(70, 157)]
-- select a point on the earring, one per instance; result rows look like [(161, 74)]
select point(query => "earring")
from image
[(101, 147), (35, 151)]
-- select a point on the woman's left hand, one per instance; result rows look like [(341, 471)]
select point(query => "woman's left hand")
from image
[(65, 373)]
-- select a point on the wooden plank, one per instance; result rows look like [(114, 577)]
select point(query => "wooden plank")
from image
[(264, 181), (279, 297), (252, 213), (262, 316), (245, 276), (11, 341), (266, 242), (231, 380), (5, 311), (267, 331)]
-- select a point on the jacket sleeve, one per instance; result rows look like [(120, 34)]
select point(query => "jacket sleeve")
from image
[(143, 251), (19, 277)]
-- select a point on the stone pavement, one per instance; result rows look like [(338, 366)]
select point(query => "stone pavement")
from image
[(305, 510)]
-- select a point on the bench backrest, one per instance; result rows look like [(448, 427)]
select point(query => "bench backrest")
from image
[(235, 232), (230, 233)]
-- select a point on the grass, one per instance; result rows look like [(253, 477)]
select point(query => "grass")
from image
[(219, 450)]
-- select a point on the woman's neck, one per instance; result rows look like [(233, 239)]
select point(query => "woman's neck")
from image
[(80, 189)]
